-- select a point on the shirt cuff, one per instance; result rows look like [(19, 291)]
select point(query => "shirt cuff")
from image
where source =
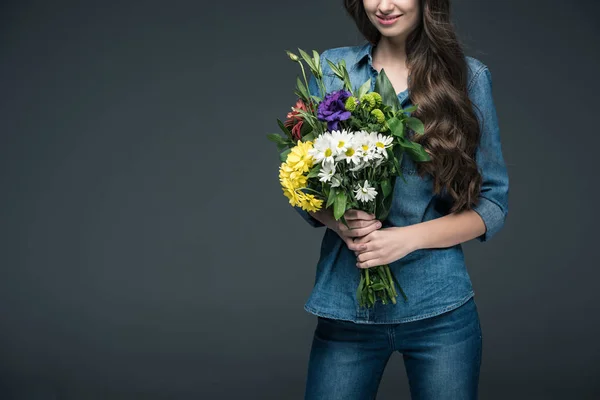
[(492, 216)]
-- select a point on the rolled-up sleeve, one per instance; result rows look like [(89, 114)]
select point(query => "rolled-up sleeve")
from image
[(309, 218), (492, 204), (314, 90)]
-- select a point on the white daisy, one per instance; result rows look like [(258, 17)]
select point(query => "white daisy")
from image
[(351, 154), (341, 140), (365, 193), (327, 171), (382, 142), (323, 149), (366, 144)]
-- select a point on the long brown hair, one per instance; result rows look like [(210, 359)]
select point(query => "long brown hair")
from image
[(438, 84)]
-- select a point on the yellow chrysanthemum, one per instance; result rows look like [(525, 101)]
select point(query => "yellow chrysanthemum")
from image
[(291, 182), (293, 178), (292, 194), (309, 202), (298, 158), (296, 178), (285, 171)]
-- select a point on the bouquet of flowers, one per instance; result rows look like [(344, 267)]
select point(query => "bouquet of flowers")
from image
[(344, 149)]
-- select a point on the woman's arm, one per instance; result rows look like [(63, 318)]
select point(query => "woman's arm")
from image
[(324, 216), (488, 216), (446, 231)]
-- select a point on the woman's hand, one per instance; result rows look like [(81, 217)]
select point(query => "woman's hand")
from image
[(383, 246), (361, 223)]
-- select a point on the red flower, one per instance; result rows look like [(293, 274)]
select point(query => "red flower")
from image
[(295, 120)]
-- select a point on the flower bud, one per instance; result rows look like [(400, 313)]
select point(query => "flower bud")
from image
[(292, 56)]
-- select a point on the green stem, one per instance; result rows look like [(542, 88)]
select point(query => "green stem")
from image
[(312, 190), (399, 287), (389, 275), (310, 99)]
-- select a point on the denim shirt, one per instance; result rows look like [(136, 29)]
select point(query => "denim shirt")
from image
[(435, 280)]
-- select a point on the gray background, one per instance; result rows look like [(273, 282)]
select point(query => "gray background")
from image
[(145, 240)]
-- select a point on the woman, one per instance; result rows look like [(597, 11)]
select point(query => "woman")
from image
[(459, 195)]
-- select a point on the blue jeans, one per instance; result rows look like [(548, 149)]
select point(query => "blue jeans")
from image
[(442, 356)]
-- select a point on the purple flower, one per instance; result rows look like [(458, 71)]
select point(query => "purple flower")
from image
[(333, 110)]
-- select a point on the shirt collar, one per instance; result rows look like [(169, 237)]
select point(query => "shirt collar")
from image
[(364, 53)]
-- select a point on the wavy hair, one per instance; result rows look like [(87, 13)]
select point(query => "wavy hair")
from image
[(438, 84)]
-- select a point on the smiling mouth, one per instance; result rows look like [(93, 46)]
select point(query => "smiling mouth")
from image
[(388, 19)]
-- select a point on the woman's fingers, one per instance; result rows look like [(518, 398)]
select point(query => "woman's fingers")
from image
[(359, 228), (355, 245), (354, 214)]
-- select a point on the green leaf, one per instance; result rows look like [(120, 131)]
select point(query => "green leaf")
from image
[(396, 127), (284, 154), (284, 129), (394, 158), (386, 187), (383, 205), (309, 136), (418, 153), (339, 206), (399, 157), (314, 171), (306, 128), (410, 109), (348, 83), (415, 124), (307, 58), (388, 94), (364, 88), (280, 146), (317, 58), (302, 88), (399, 154), (415, 150), (331, 198), (275, 137), (335, 69)]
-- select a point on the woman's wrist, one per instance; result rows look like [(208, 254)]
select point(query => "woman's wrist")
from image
[(414, 241), (325, 216)]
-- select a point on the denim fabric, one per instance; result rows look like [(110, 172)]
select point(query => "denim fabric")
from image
[(442, 357), (435, 280)]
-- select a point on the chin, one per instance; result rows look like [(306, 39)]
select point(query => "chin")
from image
[(394, 35)]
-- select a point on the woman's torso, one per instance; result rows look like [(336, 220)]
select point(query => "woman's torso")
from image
[(435, 280)]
